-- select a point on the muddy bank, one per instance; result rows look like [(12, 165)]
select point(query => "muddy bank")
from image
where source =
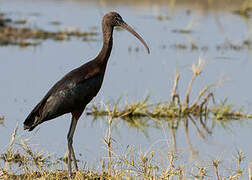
[(11, 34)]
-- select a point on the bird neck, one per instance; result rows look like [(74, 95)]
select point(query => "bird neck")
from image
[(104, 54)]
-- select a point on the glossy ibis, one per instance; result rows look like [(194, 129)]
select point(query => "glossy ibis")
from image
[(76, 89)]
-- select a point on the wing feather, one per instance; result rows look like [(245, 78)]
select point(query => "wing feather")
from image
[(73, 91)]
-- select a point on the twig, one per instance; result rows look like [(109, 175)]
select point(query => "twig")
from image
[(216, 164), (250, 170), (108, 139), (173, 139), (189, 91), (109, 145), (175, 86), (206, 99), (197, 128), (201, 93), (9, 153), (13, 137)]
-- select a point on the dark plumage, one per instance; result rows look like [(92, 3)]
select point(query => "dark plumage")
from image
[(76, 89), (73, 92)]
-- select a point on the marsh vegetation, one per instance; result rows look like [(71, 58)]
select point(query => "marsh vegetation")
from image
[(194, 122), (21, 161), (203, 106), (22, 36)]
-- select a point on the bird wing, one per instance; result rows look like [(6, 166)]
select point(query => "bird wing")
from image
[(73, 91)]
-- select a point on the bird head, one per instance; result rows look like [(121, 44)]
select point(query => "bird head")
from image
[(114, 19)]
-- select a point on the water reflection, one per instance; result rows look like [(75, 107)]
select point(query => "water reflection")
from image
[(219, 34), (182, 137), (204, 126)]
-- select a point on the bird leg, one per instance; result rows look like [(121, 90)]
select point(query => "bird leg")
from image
[(74, 160), (71, 156), (70, 142)]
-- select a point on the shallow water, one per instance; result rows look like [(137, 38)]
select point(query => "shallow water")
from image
[(27, 74)]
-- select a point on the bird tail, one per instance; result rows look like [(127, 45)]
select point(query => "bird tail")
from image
[(34, 118), (30, 121)]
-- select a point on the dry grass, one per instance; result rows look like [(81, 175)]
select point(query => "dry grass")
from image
[(21, 162)]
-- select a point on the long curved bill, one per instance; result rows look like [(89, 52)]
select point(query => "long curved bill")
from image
[(128, 28)]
